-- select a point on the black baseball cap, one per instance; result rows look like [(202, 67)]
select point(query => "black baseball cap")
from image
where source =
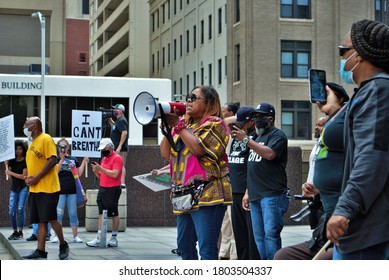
[(244, 114), (265, 109)]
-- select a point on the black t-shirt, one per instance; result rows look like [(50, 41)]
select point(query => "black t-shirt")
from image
[(266, 178), (237, 164), (17, 167), (66, 179), (120, 125)]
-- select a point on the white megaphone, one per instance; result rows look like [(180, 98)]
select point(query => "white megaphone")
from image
[(146, 108)]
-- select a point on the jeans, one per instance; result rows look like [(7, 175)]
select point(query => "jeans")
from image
[(267, 220), (17, 207), (376, 252), (202, 225), (35, 229), (70, 200)]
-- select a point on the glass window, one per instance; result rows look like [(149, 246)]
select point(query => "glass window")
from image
[(380, 11), (237, 11), (85, 7), (295, 59), (295, 9), (296, 119)]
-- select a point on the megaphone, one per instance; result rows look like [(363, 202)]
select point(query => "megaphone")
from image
[(146, 108)]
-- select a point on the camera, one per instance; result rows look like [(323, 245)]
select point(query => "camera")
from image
[(106, 113), (62, 148)]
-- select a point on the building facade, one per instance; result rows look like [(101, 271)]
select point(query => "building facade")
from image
[(271, 47), (189, 44), (119, 38)]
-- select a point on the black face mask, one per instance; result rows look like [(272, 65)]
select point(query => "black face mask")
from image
[(105, 153), (262, 125)]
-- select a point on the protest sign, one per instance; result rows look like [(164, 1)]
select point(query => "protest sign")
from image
[(86, 133), (155, 183), (7, 138)]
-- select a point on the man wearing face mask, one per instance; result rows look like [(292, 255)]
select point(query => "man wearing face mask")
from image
[(267, 194), (359, 224), (108, 196), (44, 185), (119, 136)]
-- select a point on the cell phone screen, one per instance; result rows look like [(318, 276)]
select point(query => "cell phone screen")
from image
[(317, 86)]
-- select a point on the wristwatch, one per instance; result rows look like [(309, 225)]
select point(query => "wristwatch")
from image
[(245, 140)]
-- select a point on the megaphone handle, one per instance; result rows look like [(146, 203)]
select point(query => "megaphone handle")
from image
[(166, 130)]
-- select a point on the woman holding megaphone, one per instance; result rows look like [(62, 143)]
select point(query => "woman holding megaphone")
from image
[(199, 173)]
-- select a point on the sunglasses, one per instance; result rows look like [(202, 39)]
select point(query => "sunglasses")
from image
[(193, 97), (344, 49)]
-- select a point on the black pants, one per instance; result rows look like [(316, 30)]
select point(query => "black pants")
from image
[(243, 231)]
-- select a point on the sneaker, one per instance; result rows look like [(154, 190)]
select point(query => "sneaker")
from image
[(113, 242), (33, 237), (123, 186), (63, 251), (36, 255), (77, 240), (13, 236), (20, 235), (94, 243), (48, 238), (54, 240)]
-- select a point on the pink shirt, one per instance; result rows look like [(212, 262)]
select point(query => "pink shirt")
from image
[(112, 162)]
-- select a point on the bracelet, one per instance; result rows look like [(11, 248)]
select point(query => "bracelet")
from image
[(179, 127)]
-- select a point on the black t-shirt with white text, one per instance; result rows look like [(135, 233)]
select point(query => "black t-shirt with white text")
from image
[(266, 178)]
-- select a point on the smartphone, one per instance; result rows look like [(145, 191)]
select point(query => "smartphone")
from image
[(62, 148), (317, 86)]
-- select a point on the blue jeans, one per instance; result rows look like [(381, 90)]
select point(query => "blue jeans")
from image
[(267, 220), (70, 200), (204, 226), (35, 229), (377, 252), (17, 208)]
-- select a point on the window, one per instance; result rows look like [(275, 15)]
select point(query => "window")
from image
[(225, 66), (181, 86), (175, 49), (219, 71), (194, 79), (168, 9), (296, 8), (219, 20), (209, 27), (187, 41), (380, 10), (210, 73), (163, 13), (153, 22), (163, 57), (85, 7), (202, 32), (187, 83), (82, 57), (175, 7), (202, 75), (152, 63), (180, 5), (157, 18), (296, 119), (175, 88), (180, 45), (168, 54), (194, 37), (157, 60), (237, 63), (295, 59), (237, 11)]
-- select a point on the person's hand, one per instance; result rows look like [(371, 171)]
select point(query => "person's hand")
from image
[(7, 172), (96, 167), (238, 133), (336, 227), (309, 190), (85, 159), (154, 172), (31, 180), (62, 156), (172, 119), (246, 202), (332, 102)]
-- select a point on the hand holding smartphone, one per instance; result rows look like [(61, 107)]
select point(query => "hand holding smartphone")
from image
[(317, 86)]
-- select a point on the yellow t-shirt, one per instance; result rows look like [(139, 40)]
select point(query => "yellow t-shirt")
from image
[(40, 150)]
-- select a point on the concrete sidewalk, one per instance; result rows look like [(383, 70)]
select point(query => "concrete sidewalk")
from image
[(136, 243)]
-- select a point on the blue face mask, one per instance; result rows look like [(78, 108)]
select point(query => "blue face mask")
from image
[(347, 76)]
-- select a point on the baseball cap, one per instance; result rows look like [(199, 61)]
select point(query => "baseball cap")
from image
[(244, 114), (266, 109), (120, 107), (104, 143), (339, 91)]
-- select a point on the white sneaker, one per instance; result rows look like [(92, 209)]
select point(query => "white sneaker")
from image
[(113, 242), (77, 240), (54, 240), (94, 243)]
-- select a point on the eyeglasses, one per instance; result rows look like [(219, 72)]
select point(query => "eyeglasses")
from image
[(193, 97), (344, 49)]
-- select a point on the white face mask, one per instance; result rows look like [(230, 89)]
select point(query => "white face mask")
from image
[(27, 132)]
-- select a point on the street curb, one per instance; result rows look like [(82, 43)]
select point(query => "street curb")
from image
[(9, 247)]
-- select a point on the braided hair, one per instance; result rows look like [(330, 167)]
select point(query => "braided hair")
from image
[(371, 40)]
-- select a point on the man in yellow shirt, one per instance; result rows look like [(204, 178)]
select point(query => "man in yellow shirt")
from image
[(44, 185)]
